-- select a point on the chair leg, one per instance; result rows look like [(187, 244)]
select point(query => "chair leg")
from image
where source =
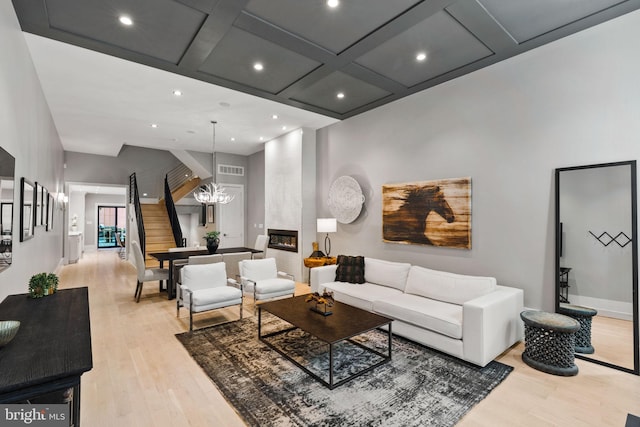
[(241, 303), (139, 292), (255, 301), (191, 314), (177, 307)]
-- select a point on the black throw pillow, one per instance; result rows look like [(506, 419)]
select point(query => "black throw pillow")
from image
[(350, 269)]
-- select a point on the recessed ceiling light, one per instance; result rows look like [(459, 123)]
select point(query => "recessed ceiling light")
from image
[(224, 104), (284, 128), (261, 139), (258, 66), (333, 3), (144, 194), (177, 92), (274, 117), (233, 139), (421, 56), (125, 20), (340, 95), (153, 125)]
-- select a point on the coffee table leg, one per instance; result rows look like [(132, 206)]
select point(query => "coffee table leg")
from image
[(389, 343), (331, 366), (259, 322)]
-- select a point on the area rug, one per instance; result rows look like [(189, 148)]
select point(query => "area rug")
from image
[(418, 387)]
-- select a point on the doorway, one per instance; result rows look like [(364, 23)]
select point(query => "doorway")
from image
[(231, 218), (112, 223)]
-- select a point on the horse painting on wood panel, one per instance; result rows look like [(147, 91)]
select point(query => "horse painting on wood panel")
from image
[(436, 213)]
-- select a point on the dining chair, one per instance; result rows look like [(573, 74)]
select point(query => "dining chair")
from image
[(232, 260), (145, 274), (206, 287), (261, 244), (205, 259)]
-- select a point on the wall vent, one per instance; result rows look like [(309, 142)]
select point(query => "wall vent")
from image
[(230, 170)]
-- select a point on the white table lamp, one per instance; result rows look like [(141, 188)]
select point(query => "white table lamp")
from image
[(327, 225)]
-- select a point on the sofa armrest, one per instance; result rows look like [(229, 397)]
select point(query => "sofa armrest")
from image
[(320, 275), (491, 324)]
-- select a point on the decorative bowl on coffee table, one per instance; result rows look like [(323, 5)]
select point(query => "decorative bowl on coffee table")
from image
[(8, 330)]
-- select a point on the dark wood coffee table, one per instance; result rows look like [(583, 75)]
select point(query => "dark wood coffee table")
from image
[(345, 323)]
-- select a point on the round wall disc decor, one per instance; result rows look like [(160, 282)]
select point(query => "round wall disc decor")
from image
[(345, 199)]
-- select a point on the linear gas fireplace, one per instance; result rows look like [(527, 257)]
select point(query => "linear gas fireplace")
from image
[(284, 240)]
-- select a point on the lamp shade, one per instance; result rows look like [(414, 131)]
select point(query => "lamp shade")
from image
[(327, 225)]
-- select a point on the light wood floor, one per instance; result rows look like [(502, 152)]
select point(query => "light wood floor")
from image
[(142, 376)]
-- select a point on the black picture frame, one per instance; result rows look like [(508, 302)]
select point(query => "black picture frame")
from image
[(37, 206), (44, 198), (211, 213), (50, 209), (27, 209)]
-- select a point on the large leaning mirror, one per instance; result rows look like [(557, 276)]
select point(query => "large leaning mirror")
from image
[(597, 260), (7, 171)]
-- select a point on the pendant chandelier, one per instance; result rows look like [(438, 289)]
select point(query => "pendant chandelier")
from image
[(213, 193)]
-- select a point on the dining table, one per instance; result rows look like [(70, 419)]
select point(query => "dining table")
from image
[(172, 256)]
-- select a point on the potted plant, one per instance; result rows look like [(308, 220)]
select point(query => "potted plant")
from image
[(43, 284), (213, 240)]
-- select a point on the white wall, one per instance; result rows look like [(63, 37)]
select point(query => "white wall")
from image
[(255, 197), (27, 132), (508, 126), (289, 171)]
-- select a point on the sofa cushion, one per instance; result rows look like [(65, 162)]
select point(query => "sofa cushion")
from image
[(447, 287), (350, 269), (361, 296), (437, 316), (386, 273)]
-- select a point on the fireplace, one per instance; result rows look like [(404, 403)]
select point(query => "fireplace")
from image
[(284, 240)]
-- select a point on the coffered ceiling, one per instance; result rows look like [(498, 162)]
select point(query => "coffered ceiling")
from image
[(335, 61)]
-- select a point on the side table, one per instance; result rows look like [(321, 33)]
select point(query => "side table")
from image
[(583, 315), (319, 261), (549, 342), (311, 262)]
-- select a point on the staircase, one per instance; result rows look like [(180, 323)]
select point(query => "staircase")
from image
[(158, 231), (184, 189)]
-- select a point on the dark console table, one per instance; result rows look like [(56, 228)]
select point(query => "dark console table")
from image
[(50, 352)]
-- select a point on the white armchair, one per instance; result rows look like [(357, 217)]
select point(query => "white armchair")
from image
[(261, 278), (206, 287)]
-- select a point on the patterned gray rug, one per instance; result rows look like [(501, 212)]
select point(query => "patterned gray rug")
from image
[(418, 387)]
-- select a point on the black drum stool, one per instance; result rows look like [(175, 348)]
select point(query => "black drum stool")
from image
[(583, 315), (549, 342)]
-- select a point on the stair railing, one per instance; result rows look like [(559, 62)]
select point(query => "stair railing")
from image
[(173, 214), (134, 198), (178, 176)]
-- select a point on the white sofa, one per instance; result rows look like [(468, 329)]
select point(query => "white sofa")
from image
[(469, 317)]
